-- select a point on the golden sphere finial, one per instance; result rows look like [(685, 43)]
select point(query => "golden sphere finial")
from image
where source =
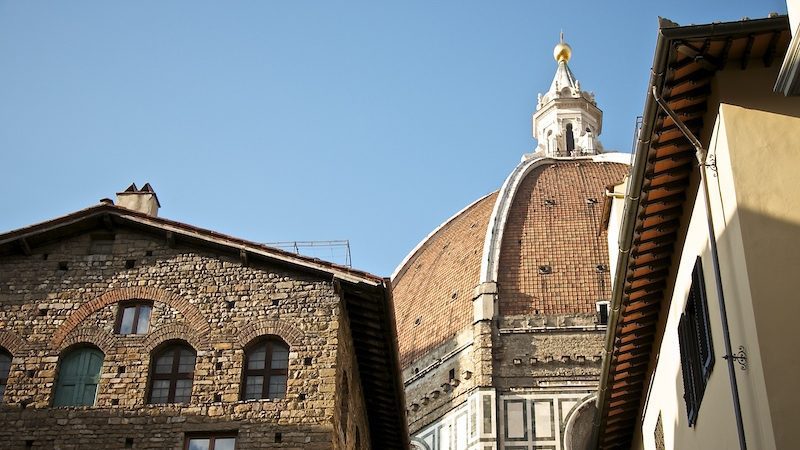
[(563, 51)]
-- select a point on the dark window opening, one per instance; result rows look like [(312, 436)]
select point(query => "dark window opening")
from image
[(602, 313), (266, 369), (5, 369), (697, 349), (133, 318), (171, 374), (130, 263), (278, 437), (570, 140)]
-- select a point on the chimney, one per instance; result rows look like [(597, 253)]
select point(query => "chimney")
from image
[(142, 200)]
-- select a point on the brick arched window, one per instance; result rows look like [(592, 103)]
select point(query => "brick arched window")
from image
[(78, 377), (172, 373), (266, 368), (5, 368)]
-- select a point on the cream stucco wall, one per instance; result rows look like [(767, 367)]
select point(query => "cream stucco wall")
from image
[(755, 197), (765, 159)]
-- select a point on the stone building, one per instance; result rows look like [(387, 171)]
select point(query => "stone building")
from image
[(501, 310), (120, 329)]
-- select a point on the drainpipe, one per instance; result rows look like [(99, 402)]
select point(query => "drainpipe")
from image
[(631, 205), (701, 155)]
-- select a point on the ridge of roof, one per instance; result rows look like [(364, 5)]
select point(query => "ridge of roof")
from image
[(307, 262)]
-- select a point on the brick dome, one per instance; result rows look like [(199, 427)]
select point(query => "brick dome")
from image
[(539, 238), (432, 288)]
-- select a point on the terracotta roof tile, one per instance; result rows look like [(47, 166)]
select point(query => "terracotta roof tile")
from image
[(433, 291), (552, 244)]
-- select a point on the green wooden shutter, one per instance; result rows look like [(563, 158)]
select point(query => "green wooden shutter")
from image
[(78, 377)]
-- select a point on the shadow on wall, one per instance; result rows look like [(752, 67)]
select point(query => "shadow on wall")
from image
[(754, 269), (578, 431)]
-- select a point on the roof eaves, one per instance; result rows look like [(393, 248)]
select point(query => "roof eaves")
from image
[(669, 32)]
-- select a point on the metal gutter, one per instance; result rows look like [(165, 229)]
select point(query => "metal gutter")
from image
[(668, 33), (626, 230)]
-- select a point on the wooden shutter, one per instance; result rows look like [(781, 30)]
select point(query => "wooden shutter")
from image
[(78, 377), (697, 296), (696, 345)]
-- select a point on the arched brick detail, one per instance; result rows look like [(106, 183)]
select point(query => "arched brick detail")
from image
[(189, 311), (287, 332), (175, 331), (11, 342), (100, 338)]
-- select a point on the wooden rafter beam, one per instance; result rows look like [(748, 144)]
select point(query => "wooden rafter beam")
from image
[(23, 244), (748, 47), (769, 53), (698, 55)]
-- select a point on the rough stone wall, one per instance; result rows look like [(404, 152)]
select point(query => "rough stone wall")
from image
[(61, 296), (352, 433), (548, 348), (430, 391)]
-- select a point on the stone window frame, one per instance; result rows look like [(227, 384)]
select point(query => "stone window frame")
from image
[(175, 346), (4, 373), (138, 304), (212, 437), (267, 372)]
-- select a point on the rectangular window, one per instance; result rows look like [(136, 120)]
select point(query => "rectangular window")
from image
[(226, 441), (5, 369), (602, 313), (101, 244), (697, 349), (133, 318)]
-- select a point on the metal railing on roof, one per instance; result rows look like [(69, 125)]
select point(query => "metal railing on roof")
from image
[(336, 251)]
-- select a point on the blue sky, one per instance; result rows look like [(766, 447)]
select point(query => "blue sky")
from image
[(301, 120)]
